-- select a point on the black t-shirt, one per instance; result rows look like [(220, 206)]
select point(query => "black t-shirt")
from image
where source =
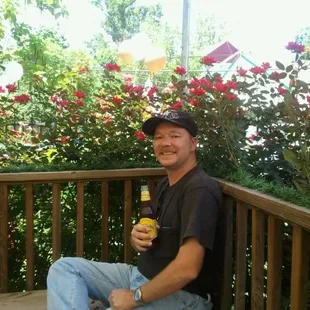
[(189, 208)]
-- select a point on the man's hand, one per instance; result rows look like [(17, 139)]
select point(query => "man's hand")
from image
[(122, 299), (141, 241)]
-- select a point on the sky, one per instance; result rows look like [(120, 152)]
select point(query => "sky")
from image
[(259, 28)]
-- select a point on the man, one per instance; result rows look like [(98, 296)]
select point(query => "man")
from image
[(181, 268)]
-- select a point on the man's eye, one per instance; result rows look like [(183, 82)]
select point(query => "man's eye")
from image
[(157, 138), (175, 136)]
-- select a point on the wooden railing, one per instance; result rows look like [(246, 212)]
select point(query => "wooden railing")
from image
[(240, 205)]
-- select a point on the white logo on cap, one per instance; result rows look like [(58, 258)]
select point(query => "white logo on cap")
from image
[(170, 115)]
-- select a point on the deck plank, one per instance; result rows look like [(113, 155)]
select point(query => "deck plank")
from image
[(34, 300)]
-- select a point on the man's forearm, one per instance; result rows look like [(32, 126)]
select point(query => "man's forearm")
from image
[(173, 278)]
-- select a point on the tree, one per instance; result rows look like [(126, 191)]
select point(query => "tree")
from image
[(124, 17)]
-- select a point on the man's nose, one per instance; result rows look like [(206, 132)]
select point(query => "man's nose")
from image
[(166, 141)]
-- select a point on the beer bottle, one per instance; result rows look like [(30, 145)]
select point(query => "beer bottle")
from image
[(147, 216)]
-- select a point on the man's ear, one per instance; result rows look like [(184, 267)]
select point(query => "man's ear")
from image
[(194, 143)]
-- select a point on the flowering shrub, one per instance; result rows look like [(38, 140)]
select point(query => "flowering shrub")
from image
[(89, 124)]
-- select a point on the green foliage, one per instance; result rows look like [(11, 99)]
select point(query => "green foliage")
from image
[(124, 17)]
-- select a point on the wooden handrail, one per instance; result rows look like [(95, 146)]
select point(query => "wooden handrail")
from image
[(249, 207)]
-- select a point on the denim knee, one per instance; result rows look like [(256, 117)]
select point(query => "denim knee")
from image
[(59, 267)]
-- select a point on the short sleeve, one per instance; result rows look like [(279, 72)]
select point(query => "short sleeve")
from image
[(199, 216)]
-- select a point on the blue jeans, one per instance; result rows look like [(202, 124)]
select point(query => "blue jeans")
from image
[(71, 281)]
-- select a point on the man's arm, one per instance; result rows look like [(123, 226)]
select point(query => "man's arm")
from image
[(182, 270)]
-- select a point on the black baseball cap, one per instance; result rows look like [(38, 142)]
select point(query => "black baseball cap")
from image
[(179, 118)]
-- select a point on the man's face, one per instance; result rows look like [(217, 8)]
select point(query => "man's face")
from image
[(173, 145)]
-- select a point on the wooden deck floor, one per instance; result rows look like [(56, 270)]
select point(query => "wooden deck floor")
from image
[(35, 300)]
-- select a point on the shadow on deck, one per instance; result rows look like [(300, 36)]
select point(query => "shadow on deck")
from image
[(34, 300)]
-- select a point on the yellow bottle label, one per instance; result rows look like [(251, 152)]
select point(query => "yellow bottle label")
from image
[(152, 224), (145, 196)]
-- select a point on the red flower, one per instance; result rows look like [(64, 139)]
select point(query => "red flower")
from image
[(257, 70), (242, 72), (194, 102), (54, 98), (108, 120), (127, 78), (11, 88), (62, 140), (83, 69), (195, 83), (220, 87), (112, 67), (180, 70), (231, 85), (208, 61), (2, 90), (231, 97), (198, 91), (79, 94), (308, 100), (22, 98), (206, 82), (275, 76), (63, 103), (79, 102), (295, 47), (282, 91), (266, 65), (117, 100), (152, 90), (140, 135), (178, 105)]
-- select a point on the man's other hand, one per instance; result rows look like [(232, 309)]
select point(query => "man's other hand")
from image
[(122, 299)]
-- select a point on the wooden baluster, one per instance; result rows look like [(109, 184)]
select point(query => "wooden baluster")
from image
[(226, 294), (104, 220), (29, 237), (4, 238), (80, 220), (258, 248), (300, 269), (127, 221), (56, 224), (241, 246), (274, 269)]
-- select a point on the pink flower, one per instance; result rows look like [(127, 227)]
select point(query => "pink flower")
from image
[(308, 100), (127, 78), (2, 90), (79, 94), (295, 47), (242, 72), (257, 70), (63, 103), (140, 135), (266, 65), (22, 98), (112, 67), (275, 76), (180, 70), (178, 105), (282, 91), (208, 61), (11, 88), (117, 100)]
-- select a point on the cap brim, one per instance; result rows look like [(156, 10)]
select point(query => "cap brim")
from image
[(149, 126)]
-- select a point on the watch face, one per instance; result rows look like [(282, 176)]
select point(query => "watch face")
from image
[(137, 295)]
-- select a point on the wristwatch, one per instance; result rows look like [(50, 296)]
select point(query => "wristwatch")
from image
[(137, 296)]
